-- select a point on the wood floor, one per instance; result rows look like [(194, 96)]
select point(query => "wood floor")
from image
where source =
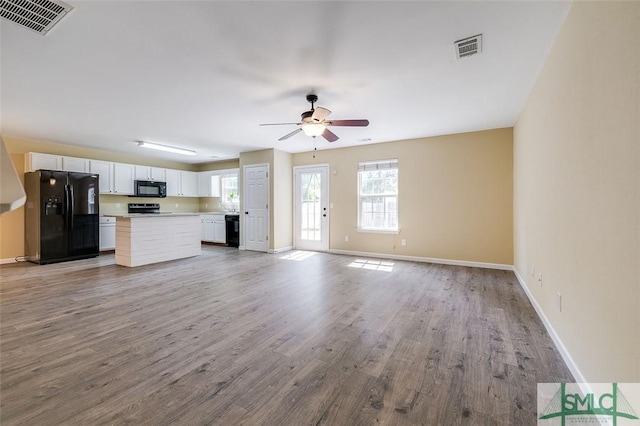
[(233, 337)]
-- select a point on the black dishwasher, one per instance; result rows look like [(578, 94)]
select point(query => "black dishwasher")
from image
[(232, 222)]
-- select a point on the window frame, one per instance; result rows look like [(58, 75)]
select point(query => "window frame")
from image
[(367, 166), (223, 195)]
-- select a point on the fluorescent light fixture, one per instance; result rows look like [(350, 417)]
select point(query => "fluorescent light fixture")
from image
[(166, 148), (313, 129)]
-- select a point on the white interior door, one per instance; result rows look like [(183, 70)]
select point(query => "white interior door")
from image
[(311, 207), (256, 207)]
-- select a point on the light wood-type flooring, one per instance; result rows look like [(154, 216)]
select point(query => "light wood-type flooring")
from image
[(233, 337)]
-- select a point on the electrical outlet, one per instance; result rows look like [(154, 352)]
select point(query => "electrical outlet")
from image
[(117, 205), (176, 205), (540, 279), (403, 242), (533, 270), (206, 205), (559, 302), (346, 238)]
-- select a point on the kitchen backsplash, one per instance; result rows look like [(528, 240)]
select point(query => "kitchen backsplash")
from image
[(117, 204)]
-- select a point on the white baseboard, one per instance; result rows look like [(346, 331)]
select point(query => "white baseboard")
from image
[(5, 261), (240, 247), (566, 356), (280, 250), (425, 259)]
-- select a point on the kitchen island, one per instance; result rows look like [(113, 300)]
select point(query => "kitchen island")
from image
[(142, 239)]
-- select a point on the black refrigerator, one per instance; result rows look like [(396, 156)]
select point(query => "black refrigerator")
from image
[(61, 216)]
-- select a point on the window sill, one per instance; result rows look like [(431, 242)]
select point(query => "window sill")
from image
[(378, 231)]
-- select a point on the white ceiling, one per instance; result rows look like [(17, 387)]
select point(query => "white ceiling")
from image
[(203, 74)]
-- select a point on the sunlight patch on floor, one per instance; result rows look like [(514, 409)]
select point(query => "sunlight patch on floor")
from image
[(298, 255), (376, 265)]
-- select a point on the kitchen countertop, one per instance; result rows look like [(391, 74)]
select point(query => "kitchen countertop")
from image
[(225, 213), (133, 215)]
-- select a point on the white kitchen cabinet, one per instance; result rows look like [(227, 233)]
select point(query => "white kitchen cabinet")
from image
[(157, 174), (104, 170), (208, 184), (213, 228), (123, 178), (181, 183), (150, 173), (73, 164), (107, 233), (173, 182), (207, 227), (219, 230), (36, 161), (189, 184)]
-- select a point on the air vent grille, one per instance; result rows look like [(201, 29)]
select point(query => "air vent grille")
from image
[(37, 15), (468, 46)]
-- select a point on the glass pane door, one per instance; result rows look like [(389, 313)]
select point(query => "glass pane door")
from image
[(311, 203)]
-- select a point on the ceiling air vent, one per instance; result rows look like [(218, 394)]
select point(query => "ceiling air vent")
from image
[(37, 15), (468, 46)]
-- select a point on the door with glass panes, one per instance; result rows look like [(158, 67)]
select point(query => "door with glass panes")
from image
[(311, 207)]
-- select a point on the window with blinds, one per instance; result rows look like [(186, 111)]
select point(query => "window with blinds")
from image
[(378, 195)]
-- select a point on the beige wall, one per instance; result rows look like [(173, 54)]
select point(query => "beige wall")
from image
[(282, 200), (219, 165), (577, 189), (12, 223), (455, 197)]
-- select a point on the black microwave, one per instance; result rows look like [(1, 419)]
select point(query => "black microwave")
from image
[(148, 188)]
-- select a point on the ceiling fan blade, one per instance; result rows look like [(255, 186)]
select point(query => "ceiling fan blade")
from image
[(329, 135), (352, 123), (277, 124), (319, 114), (288, 135)]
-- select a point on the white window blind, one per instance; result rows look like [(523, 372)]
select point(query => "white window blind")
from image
[(378, 165)]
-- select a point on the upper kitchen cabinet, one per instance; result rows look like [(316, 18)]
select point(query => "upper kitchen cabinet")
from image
[(181, 183), (189, 183), (150, 173), (73, 164), (104, 170), (208, 184), (36, 161), (115, 178), (123, 178)]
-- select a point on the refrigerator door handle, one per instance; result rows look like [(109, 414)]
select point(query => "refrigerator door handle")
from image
[(71, 207), (66, 207)]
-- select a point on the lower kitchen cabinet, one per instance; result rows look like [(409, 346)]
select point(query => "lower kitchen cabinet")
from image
[(213, 228)]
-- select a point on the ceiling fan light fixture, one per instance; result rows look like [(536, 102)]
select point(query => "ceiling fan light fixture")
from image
[(166, 148), (313, 129)]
